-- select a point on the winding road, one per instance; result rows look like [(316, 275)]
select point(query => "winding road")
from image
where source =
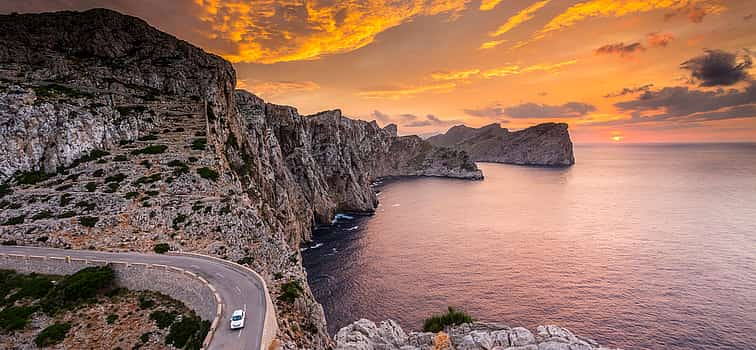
[(238, 288)]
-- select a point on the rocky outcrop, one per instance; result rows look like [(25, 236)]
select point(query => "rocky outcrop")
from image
[(114, 135), (388, 335), (545, 144)]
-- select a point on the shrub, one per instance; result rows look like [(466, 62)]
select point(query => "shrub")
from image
[(15, 317), (45, 214), (16, 220), (146, 163), (32, 177), (117, 178), (63, 188), (161, 248), (290, 291), (207, 173), (65, 199), (152, 149), (149, 137), (199, 144), (86, 205), (145, 303), (77, 288), (112, 187), (5, 190), (145, 337), (52, 335), (180, 218), (277, 276), (131, 195), (111, 318), (163, 319), (88, 221), (9, 242), (67, 214), (179, 167), (437, 323), (148, 179), (188, 333), (231, 141), (245, 260), (125, 142), (98, 173), (121, 158), (91, 186)]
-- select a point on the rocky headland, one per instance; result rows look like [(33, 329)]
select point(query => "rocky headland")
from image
[(546, 144), (116, 136)]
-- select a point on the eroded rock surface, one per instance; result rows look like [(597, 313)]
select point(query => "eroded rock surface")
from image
[(545, 144), (388, 335)]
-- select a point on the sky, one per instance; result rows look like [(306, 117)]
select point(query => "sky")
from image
[(616, 71)]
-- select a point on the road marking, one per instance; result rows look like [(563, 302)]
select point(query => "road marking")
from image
[(238, 289), (194, 266), (219, 274)]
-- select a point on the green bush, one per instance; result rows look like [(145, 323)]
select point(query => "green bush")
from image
[(152, 149), (86, 205), (179, 167), (121, 158), (437, 323), (88, 221), (5, 190), (45, 214), (163, 319), (15, 317), (65, 199), (52, 335), (180, 218), (91, 186), (131, 195), (188, 333), (207, 173), (67, 214), (111, 318), (16, 220), (149, 137), (98, 173), (290, 291), (199, 144), (32, 177), (148, 179), (115, 178), (161, 248), (80, 287), (145, 303)]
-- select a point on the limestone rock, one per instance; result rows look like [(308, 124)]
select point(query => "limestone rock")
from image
[(545, 144)]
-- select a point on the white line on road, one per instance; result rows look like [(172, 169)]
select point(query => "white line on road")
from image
[(219, 274), (238, 289), (194, 266)]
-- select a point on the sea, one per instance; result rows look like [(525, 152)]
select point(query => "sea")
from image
[(649, 246)]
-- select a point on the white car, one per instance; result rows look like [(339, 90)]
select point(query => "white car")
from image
[(237, 319)]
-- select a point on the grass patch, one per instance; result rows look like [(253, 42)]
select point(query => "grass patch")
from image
[(52, 335), (207, 173), (199, 144), (152, 149), (161, 248), (88, 221), (290, 291), (15, 317), (437, 323)]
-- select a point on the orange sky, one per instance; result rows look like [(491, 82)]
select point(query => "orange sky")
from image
[(638, 71)]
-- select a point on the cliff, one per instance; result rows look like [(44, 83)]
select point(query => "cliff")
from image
[(546, 144), (116, 136), (388, 335)]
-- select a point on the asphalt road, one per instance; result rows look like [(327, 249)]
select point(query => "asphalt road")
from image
[(238, 288)]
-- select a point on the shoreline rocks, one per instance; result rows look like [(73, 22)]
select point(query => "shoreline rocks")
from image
[(388, 335)]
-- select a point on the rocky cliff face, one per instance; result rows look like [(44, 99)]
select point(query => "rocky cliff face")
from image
[(388, 335), (116, 136), (546, 144)]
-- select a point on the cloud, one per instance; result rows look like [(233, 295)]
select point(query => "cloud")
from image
[(658, 39), (516, 69), (521, 17), (534, 111), (696, 11), (630, 91), (491, 44), (406, 92), (719, 68), (267, 31), (456, 75), (486, 5), (682, 104), (617, 8), (620, 49), (270, 89), (381, 117)]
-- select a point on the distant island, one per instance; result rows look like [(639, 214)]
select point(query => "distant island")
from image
[(546, 144)]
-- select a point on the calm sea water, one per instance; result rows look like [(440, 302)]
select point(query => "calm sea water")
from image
[(650, 246)]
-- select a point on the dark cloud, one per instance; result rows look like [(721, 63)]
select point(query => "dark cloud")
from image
[(381, 117), (630, 91), (719, 68), (430, 120), (620, 49), (534, 111), (694, 13), (486, 112), (412, 121), (682, 104)]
